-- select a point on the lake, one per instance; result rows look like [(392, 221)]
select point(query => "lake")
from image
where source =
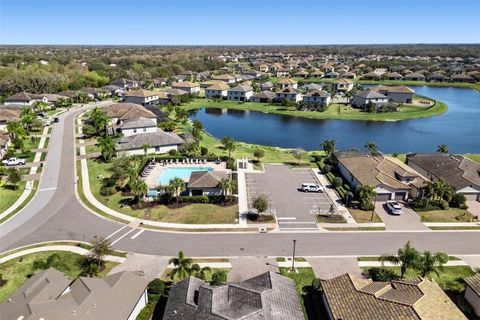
[(459, 127)]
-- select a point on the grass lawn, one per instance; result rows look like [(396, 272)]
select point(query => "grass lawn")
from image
[(8, 196), (334, 111), (330, 218), (449, 215), (357, 229), (362, 216), (208, 277), (303, 278), (474, 157), (17, 271)]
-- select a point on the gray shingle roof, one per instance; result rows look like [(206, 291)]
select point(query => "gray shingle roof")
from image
[(267, 296), (153, 139), (370, 94), (139, 122), (474, 283), (206, 179)]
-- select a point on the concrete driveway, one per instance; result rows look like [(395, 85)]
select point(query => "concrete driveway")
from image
[(474, 207), (408, 220), (245, 268), (331, 267)]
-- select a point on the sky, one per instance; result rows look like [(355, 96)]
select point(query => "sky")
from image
[(234, 22)]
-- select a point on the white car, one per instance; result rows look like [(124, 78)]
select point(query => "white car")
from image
[(13, 162), (394, 207), (311, 187)]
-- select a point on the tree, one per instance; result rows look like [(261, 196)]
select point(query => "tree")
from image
[(99, 120), (229, 145), (177, 186), (16, 130), (138, 188), (329, 147), (145, 148), (439, 190), (226, 186), (181, 115), (370, 107), (13, 177), (199, 272), (197, 128), (100, 248), (156, 286), (366, 194), (218, 277), (429, 262), (407, 257), (89, 267), (260, 203), (443, 148), (372, 147), (183, 266), (107, 147), (192, 148), (298, 154), (258, 153)]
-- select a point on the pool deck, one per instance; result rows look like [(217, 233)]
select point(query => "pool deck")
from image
[(152, 178)]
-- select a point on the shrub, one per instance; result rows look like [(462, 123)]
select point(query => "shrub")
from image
[(318, 158), (346, 187), (204, 151), (458, 201), (193, 199), (327, 168), (107, 191), (382, 274), (260, 203), (252, 216), (337, 182), (173, 152), (219, 277), (232, 164), (321, 166), (156, 286)]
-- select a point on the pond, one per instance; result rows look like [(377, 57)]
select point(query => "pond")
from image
[(459, 127)]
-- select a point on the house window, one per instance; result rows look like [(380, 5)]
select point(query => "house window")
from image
[(157, 149), (144, 129)]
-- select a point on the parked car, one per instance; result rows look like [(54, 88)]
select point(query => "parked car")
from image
[(13, 161), (56, 119), (394, 207), (311, 187)]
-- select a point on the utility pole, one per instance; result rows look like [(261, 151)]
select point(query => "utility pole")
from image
[(293, 256)]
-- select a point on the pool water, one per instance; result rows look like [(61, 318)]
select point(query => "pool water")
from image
[(182, 173)]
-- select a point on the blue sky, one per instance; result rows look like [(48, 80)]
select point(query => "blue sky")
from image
[(231, 22)]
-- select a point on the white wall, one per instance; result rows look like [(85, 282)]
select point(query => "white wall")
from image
[(140, 151), (131, 132), (142, 302)]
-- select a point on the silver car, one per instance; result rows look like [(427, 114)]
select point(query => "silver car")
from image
[(394, 207)]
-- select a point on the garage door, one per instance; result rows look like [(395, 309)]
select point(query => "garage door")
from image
[(471, 196), (382, 197), (400, 195)]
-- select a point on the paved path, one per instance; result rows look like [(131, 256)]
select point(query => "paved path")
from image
[(331, 267), (408, 220), (149, 266), (245, 268)]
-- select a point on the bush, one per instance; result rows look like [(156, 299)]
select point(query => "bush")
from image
[(346, 187), (193, 199), (458, 201), (204, 151), (260, 203), (156, 286), (107, 191), (173, 152), (219, 277), (318, 158), (382, 274), (252, 216), (327, 168), (232, 164), (337, 182)]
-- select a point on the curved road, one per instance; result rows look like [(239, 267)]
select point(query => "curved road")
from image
[(55, 213)]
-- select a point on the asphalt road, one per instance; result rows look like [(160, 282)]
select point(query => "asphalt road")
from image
[(56, 214)]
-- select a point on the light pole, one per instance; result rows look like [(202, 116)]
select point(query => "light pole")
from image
[(293, 256)]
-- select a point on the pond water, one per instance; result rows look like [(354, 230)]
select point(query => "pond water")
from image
[(459, 127)]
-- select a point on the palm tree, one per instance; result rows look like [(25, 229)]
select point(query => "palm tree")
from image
[(197, 128), (366, 194), (229, 145), (199, 272), (100, 248), (183, 266), (443, 148), (372, 147), (107, 147), (329, 147), (430, 262), (407, 257), (138, 188), (444, 190), (145, 148), (177, 185), (348, 95), (16, 130), (226, 185)]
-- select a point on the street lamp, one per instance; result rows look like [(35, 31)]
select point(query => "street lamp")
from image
[(293, 256)]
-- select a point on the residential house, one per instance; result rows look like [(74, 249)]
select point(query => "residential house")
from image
[(287, 82), (332, 75), (312, 86), (133, 126), (317, 97), (290, 94), (141, 97), (266, 86), (461, 173), (113, 90), (391, 178), (227, 78), (205, 183), (25, 99), (363, 98), (393, 76), (158, 142), (5, 142), (217, 91), (415, 76), (240, 93), (301, 74), (462, 78), (190, 87), (172, 93), (327, 68), (8, 115), (398, 94), (472, 292), (342, 85), (121, 112), (50, 294), (283, 72), (438, 77), (159, 82), (350, 297), (348, 75), (316, 73), (263, 68), (262, 97), (266, 296), (371, 76), (209, 83), (125, 84)]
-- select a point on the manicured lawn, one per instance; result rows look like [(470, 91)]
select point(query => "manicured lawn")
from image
[(334, 111), (357, 229), (449, 215), (474, 157), (330, 218), (16, 271), (166, 274), (303, 278), (362, 216), (8, 196)]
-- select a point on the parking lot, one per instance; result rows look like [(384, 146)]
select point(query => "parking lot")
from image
[(295, 209)]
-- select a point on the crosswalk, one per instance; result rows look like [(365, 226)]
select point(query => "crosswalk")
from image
[(131, 232)]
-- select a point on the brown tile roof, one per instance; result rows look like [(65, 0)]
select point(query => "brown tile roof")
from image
[(9, 115), (185, 84), (206, 179), (126, 110), (140, 93), (474, 283), (218, 86), (287, 81)]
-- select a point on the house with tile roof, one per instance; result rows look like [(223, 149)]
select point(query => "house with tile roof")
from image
[(25, 99), (342, 85), (158, 142), (391, 178), (188, 86), (349, 297), (137, 125), (205, 183), (266, 296), (262, 97), (121, 112), (8, 115), (227, 78), (217, 90), (240, 93), (472, 292), (288, 93), (363, 98), (142, 97), (287, 82), (125, 84), (397, 94), (51, 295), (317, 97)]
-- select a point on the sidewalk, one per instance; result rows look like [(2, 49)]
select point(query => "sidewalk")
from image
[(451, 263)]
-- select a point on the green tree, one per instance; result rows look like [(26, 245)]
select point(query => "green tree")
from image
[(16, 130), (429, 262), (197, 128), (89, 267), (407, 257), (145, 148), (13, 177), (218, 277), (329, 147), (138, 188), (298, 154), (260, 203), (258, 153), (443, 148), (99, 121), (100, 248), (229, 145), (107, 147), (372, 147), (181, 115), (177, 186), (366, 194), (183, 266), (199, 272), (226, 186)]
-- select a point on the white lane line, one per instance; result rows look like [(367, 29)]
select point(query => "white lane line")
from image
[(126, 234), (137, 234), (114, 233), (286, 218), (296, 222), (284, 229), (47, 189)]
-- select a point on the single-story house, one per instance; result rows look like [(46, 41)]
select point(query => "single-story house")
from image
[(5, 142), (462, 78), (283, 72), (159, 82), (120, 112), (171, 93), (332, 75), (8, 115), (137, 125), (217, 91), (363, 98), (205, 183), (158, 142), (113, 90), (391, 178), (472, 292), (263, 68), (355, 298), (240, 93), (328, 68), (210, 83), (317, 97), (142, 97), (415, 76), (301, 74), (398, 94), (190, 87), (343, 85), (438, 77), (287, 82), (348, 75), (25, 98), (266, 86), (50, 294), (461, 173), (266, 296), (290, 94), (393, 76), (315, 73), (262, 97), (371, 76)]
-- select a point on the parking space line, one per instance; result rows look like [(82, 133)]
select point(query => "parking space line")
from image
[(286, 218)]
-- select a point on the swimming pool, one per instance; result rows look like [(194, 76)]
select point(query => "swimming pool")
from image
[(182, 173)]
